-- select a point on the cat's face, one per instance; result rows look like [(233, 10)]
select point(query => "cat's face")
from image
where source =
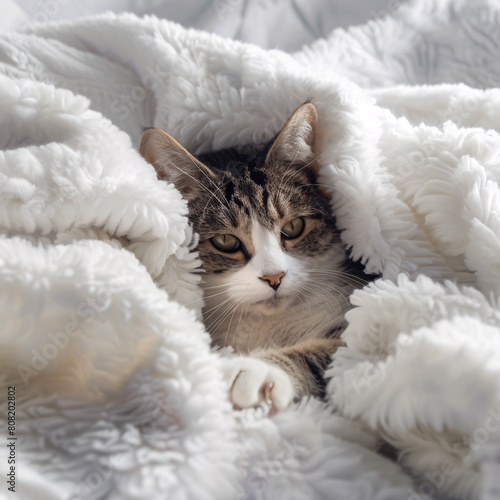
[(267, 236)]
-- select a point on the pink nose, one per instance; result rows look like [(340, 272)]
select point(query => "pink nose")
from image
[(274, 280)]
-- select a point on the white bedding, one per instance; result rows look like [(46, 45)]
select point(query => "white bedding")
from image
[(118, 393), (279, 24)]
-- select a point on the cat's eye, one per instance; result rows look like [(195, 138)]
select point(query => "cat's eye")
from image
[(226, 243), (293, 229)]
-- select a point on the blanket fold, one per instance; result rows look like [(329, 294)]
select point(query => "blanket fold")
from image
[(118, 393)]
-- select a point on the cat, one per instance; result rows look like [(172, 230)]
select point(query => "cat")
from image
[(276, 275)]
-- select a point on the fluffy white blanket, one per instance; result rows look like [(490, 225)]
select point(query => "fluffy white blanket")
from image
[(118, 395)]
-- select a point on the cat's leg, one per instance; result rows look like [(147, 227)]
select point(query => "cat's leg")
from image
[(280, 375)]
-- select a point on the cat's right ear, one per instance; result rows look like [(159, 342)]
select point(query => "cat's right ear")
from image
[(173, 163), (296, 141)]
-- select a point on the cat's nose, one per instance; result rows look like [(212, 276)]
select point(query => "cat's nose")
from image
[(274, 280)]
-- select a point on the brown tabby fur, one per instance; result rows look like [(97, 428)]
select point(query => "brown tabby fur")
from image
[(227, 192)]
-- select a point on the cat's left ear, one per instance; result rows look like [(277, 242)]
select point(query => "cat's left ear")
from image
[(173, 163), (296, 141)]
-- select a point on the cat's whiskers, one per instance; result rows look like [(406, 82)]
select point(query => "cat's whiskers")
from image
[(341, 288), (295, 171), (333, 188), (214, 309), (213, 183), (231, 320), (338, 292), (342, 275), (193, 178), (333, 291), (239, 322), (274, 340), (212, 327), (217, 286), (340, 296), (206, 297), (309, 288), (244, 312), (225, 205), (317, 157), (317, 210), (225, 314), (342, 285), (302, 294)]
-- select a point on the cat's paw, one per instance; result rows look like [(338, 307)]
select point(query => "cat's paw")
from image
[(252, 381)]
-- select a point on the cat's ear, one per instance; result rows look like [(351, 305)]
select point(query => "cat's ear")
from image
[(296, 141), (173, 163)]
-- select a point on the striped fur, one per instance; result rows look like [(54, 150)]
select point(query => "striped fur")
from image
[(305, 362), (250, 194)]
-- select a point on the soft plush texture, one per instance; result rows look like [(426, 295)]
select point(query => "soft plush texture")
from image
[(118, 393)]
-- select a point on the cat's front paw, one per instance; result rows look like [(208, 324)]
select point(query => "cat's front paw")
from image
[(252, 381)]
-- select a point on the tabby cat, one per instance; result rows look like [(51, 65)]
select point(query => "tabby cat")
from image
[(277, 278)]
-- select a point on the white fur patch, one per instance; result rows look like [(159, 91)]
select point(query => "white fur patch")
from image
[(269, 259), (251, 381), (307, 301)]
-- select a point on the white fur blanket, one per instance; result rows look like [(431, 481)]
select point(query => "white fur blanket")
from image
[(118, 395)]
